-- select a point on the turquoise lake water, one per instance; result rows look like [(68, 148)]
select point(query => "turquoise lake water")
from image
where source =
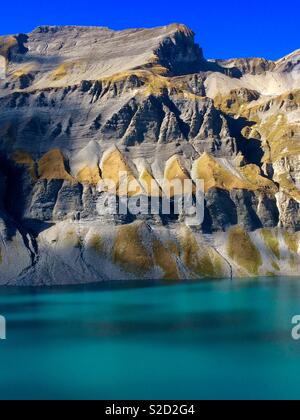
[(185, 341)]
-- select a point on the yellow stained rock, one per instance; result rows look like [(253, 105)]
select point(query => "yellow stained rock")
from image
[(165, 260), (96, 244), (282, 139), (292, 240), (279, 136), (201, 260), (242, 250), (155, 81), (52, 166), (272, 242), (6, 43), (235, 101), (181, 28), (129, 251), (288, 186), (60, 72), (88, 175), (24, 159), (138, 251), (64, 69), (71, 239), (149, 184), (215, 175), (113, 164), (253, 174), (23, 71), (174, 171), (173, 247)]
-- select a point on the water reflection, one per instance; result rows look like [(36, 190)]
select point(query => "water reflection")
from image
[(190, 340)]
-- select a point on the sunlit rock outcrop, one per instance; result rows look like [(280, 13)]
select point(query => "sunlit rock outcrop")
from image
[(80, 105)]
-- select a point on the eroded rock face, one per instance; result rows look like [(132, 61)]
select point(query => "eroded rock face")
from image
[(81, 104)]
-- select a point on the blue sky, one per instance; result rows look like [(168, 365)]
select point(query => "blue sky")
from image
[(236, 28)]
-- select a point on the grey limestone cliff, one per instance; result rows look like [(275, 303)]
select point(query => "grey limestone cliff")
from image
[(79, 104)]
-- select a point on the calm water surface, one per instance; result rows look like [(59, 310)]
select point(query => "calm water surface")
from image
[(186, 341)]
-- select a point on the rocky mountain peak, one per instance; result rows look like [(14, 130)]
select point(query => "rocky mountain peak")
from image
[(69, 54), (289, 63)]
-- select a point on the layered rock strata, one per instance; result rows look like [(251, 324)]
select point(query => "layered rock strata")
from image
[(79, 105)]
